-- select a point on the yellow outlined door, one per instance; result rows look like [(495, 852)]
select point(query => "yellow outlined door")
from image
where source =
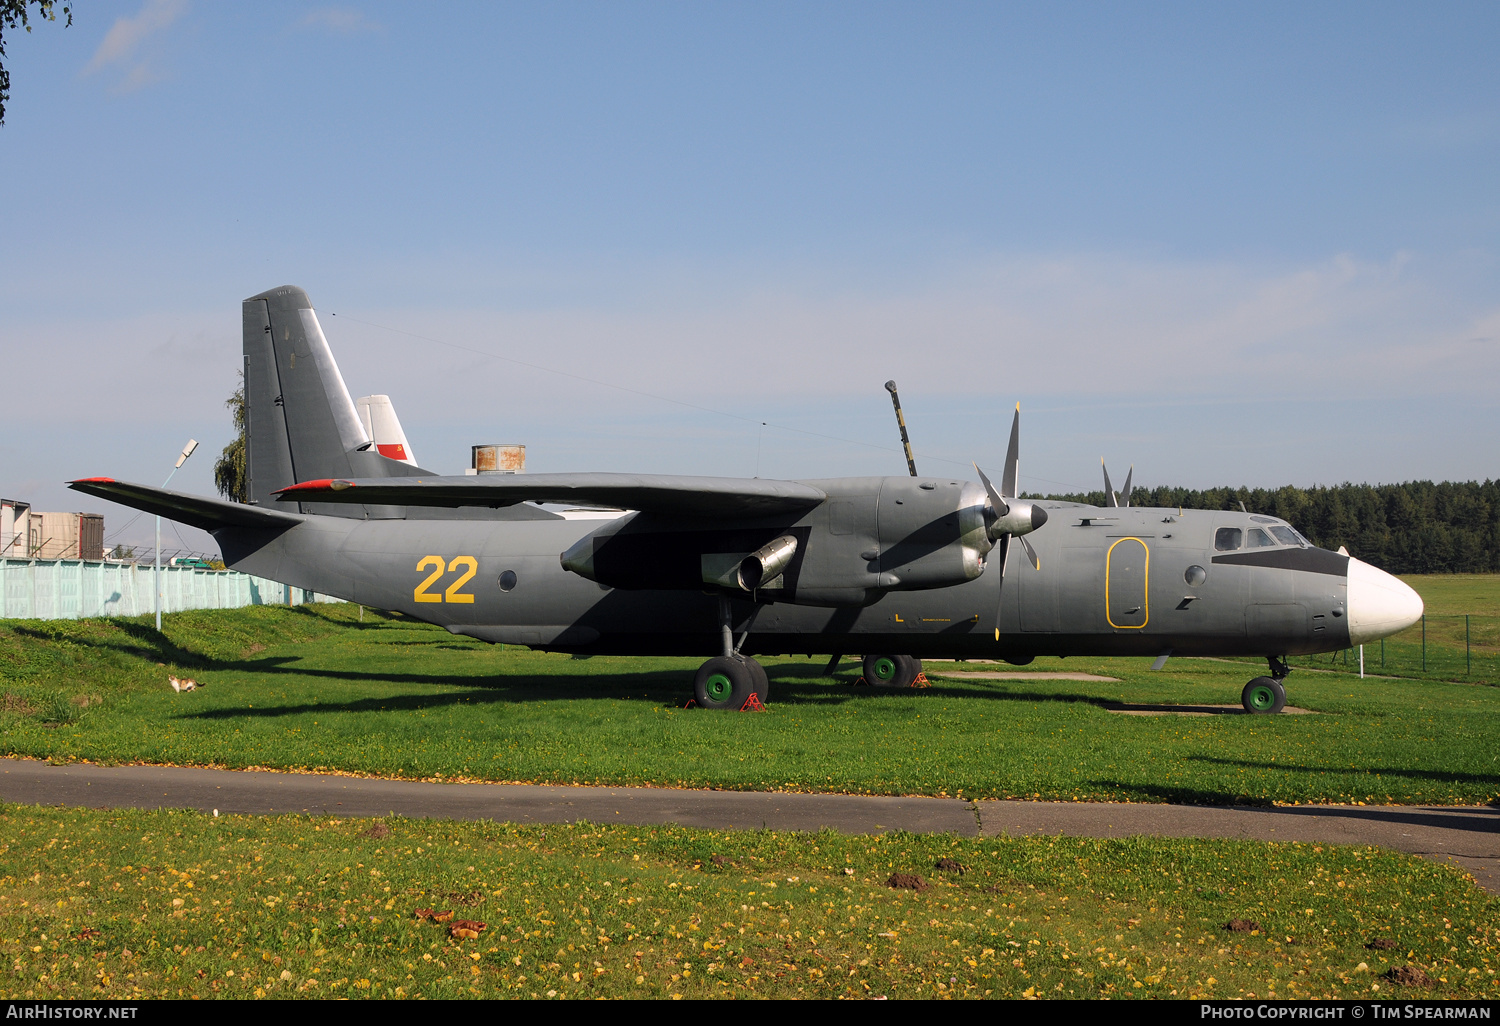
[(1126, 592)]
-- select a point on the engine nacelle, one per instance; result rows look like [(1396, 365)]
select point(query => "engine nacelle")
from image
[(872, 536)]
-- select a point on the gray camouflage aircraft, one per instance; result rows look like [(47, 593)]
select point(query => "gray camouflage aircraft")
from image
[(893, 568)]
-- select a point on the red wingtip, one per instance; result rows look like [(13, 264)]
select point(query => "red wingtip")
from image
[(326, 484), (93, 480)]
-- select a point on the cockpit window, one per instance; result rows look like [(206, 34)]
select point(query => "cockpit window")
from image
[(1257, 539), (1287, 536), (1227, 539)]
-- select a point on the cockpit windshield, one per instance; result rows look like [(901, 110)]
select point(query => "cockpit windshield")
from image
[(1227, 539), (1287, 536)]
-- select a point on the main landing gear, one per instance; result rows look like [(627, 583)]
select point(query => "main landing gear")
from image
[(892, 671), (731, 680), (1265, 695)]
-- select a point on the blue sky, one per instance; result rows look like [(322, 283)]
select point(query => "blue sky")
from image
[(1229, 244)]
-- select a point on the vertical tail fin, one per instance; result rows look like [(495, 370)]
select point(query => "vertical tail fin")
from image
[(302, 423)]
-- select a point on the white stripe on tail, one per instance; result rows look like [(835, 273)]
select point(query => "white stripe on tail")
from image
[(380, 422)]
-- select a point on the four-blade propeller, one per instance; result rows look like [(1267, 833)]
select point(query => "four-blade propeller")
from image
[(1007, 516)]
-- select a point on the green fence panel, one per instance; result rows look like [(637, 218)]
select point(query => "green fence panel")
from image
[(66, 589)]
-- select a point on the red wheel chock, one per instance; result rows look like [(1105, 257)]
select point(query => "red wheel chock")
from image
[(753, 704)]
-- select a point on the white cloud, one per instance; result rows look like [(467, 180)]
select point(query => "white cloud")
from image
[(127, 34), (1199, 373), (1451, 131), (340, 20), (1087, 325), (124, 40)]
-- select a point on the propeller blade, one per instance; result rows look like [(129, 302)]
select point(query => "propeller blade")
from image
[(1001, 506), (1012, 458), (1109, 490), (1125, 495), (1036, 564), (1004, 555)]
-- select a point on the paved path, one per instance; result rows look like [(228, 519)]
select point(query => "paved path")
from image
[(1468, 836)]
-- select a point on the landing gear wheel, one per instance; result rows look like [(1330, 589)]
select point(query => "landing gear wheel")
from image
[(724, 682), (891, 671), (762, 685), (1263, 695)]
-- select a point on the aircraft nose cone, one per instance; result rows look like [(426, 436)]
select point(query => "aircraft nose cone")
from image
[(1038, 517), (1379, 604)]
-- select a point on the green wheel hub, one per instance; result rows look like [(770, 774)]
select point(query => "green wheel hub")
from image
[(719, 687), (885, 669), (1262, 698)]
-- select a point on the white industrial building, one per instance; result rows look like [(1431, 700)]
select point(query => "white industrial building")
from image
[(27, 534)]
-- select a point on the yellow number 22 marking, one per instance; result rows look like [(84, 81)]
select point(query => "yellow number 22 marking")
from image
[(421, 594), (452, 594)]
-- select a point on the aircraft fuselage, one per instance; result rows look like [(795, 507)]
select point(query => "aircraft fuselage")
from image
[(1118, 581)]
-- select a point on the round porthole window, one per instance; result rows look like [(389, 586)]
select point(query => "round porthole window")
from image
[(507, 580), (1195, 575)]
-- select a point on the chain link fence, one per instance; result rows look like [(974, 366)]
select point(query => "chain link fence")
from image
[(1462, 647)]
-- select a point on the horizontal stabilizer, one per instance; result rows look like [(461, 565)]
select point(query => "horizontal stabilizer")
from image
[(193, 510), (650, 493)]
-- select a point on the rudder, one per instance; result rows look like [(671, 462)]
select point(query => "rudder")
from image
[(302, 424)]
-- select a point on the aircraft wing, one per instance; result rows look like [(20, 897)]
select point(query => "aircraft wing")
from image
[(193, 510), (650, 493)]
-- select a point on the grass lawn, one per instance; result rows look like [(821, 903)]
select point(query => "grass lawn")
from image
[(123, 904), (1456, 594), (313, 688)]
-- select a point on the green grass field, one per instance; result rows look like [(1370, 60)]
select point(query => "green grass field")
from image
[(121, 905), (1456, 594), (312, 688)]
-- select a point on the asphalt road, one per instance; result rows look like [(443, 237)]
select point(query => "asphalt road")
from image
[(1467, 836)]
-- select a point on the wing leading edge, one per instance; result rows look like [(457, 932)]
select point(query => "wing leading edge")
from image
[(649, 493)]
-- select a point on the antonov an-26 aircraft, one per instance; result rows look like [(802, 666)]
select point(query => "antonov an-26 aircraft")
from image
[(891, 568)]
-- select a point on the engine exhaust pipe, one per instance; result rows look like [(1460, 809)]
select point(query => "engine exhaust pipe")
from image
[(766, 563)]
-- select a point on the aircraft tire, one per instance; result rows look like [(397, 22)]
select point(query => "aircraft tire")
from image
[(724, 682), (891, 671), (1263, 696), (762, 684)]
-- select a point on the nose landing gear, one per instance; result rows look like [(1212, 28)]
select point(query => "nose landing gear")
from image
[(1266, 695)]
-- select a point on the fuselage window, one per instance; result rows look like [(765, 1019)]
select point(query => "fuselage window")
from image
[(1227, 539), (1286, 536), (1258, 539)]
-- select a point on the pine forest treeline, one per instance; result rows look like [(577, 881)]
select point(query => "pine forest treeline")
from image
[(1412, 528)]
